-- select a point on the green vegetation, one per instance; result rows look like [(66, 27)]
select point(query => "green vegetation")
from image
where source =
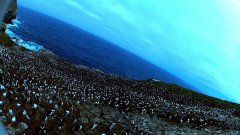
[(201, 98), (6, 40), (211, 101)]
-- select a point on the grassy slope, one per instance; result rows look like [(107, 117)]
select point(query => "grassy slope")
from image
[(207, 100), (6, 40)]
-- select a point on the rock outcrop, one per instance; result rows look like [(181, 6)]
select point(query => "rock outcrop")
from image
[(10, 14)]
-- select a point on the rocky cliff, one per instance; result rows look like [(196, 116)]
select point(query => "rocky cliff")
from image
[(10, 14)]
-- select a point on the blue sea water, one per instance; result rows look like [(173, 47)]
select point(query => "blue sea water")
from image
[(35, 31)]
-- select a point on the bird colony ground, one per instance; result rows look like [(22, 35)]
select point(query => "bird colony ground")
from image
[(41, 93)]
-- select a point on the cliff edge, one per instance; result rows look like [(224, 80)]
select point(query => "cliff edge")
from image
[(10, 14)]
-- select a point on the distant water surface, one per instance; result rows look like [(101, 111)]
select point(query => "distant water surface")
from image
[(36, 30)]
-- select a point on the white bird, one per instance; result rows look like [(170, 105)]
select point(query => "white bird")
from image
[(67, 112), (46, 119), (55, 107), (52, 112), (14, 119), (50, 101), (10, 111), (24, 112), (112, 125), (27, 117), (181, 121), (94, 126), (2, 87), (75, 120), (35, 106), (1, 102), (18, 105)]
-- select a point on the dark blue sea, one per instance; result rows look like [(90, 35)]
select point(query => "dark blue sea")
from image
[(35, 30)]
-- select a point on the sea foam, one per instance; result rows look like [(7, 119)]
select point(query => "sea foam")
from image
[(18, 39)]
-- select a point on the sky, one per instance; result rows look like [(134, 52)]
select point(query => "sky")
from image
[(197, 41)]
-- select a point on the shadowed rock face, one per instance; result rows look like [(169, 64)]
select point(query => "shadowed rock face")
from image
[(10, 14)]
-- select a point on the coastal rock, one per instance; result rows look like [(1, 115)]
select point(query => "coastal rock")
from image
[(6, 41), (10, 14), (4, 27)]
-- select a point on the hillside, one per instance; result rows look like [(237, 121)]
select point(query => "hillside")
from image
[(42, 93)]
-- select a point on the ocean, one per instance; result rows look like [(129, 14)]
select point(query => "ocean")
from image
[(35, 31)]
